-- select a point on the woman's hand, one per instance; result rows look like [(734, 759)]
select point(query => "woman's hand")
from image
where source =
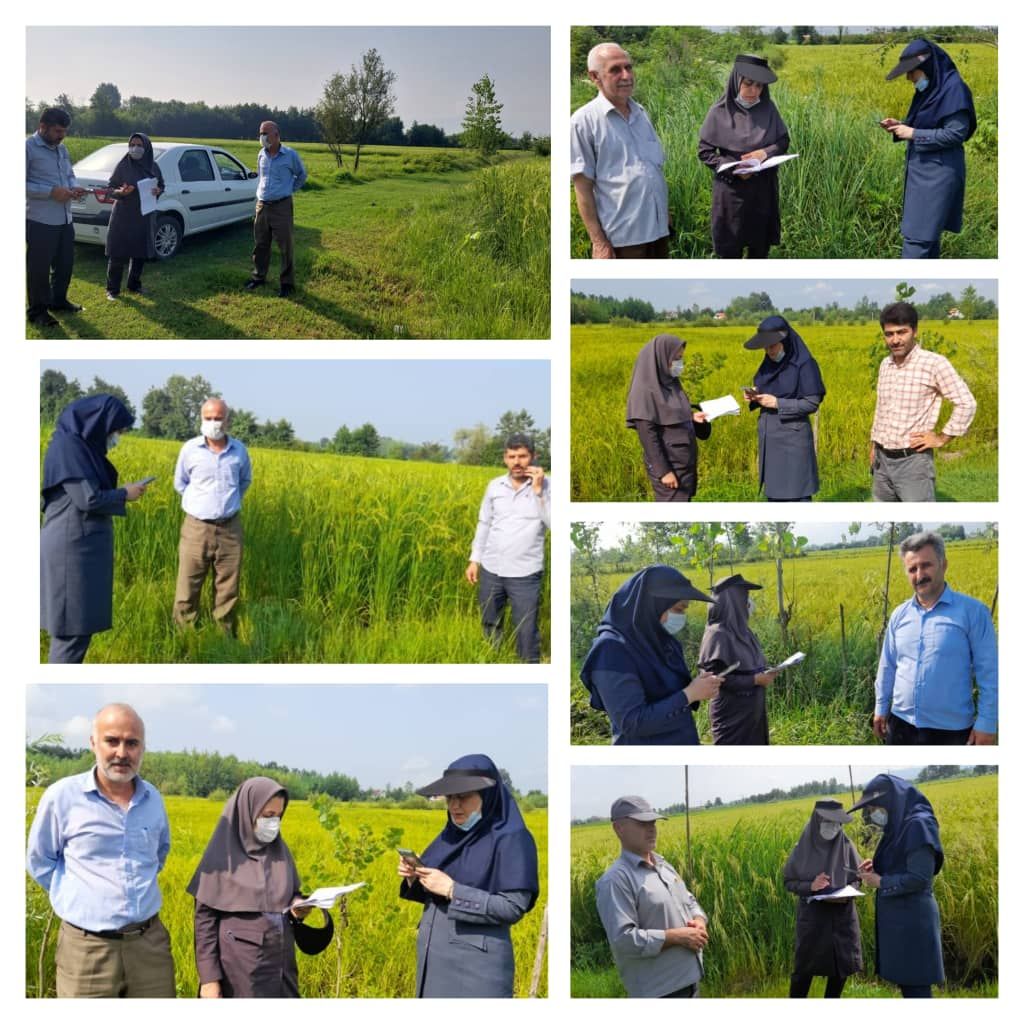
[(132, 492), (821, 882), (125, 190), (407, 871), (434, 880), (211, 990), (759, 155), (870, 879), (888, 123), (704, 687), (298, 912), (766, 401), (765, 678), (902, 131), (699, 416), (670, 480)]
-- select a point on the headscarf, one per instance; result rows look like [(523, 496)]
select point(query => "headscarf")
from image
[(238, 873), (654, 394), (837, 857), (947, 93), (796, 374), (78, 447), (129, 172), (728, 637), (728, 126), (632, 619), (498, 854), (911, 823)]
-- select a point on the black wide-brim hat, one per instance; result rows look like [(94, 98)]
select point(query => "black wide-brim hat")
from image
[(457, 780), (868, 798), (832, 810), (313, 940), (764, 338), (735, 581), (755, 68), (913, 56)]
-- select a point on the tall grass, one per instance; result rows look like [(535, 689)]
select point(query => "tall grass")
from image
[(737, 856), (607, 464), (379, 951), (346, 559), (843, 197), (818, 701)]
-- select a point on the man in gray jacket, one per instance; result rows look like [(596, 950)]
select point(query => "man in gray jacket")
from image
[(655, 926)]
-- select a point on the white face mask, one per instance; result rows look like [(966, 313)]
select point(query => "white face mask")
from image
[(676, 368), (829, 830), (879, 816), (674, 621), (750, 606), (213, 429), (267, 829), (747, 104), (112, 440), (135, 152), (265, 141)]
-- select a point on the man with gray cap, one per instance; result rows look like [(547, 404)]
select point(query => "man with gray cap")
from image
[(655, 926)]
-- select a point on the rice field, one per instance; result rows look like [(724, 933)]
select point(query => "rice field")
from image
[(843, 197), (346, 559), (607, 463), (737, 857), (820, 700), (378, 952)]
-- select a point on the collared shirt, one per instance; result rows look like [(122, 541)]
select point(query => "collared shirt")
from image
[(910, 395), (509, 537), (637, 901), (279, 175), (931, 660), (98, 862), (47, 167), (624, 159), (211, 484)]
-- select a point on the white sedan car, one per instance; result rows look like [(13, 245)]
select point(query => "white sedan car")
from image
[(206, 188)]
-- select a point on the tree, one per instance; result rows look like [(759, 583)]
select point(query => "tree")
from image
[(334, 114), (55, 392), (173, 410), (101, 387), (969, 302), (107, 97), (366, 440), (472, 445), (481, 127)]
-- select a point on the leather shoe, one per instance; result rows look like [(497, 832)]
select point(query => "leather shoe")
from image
[(252, 284), (45, 320), (66, 307), (285, 290)]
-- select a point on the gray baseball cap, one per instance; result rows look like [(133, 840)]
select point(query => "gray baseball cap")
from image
[(635, 807)]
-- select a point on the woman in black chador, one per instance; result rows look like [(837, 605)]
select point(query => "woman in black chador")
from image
[(744, 124)]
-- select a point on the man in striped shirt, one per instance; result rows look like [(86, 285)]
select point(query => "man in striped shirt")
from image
[(911, 386)]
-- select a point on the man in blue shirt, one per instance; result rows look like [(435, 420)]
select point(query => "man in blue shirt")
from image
[(97, 843), (49, 188), (281, 173), (938, 646), (212, 475)]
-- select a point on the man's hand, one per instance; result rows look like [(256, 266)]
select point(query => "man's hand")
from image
[(473, 572), (670, 480), (536, 474), (602, 250), (981, 739), (879, 726), (689, 936), (927, 439), (823, 881), (62, 195), (210, 990)]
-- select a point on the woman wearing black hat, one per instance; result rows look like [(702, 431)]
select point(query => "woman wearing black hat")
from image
[(787, 389), (667, 426), (636, 672), (744, 124), (475, 880), (940, 120), (739, 714), (824, 861)]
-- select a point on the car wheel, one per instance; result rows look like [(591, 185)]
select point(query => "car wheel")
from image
[(167, 237)]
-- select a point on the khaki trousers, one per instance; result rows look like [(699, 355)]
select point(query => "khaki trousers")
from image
[(273, 220), (204, 545), (133, 967)]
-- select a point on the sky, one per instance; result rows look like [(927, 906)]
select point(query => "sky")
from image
[(380, 734), (411, 400), (594, 788), (223, 65), (797, 293)]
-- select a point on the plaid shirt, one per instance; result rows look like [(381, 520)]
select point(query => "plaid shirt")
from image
[(910, 394)]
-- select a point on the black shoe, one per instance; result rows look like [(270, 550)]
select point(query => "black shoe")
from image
[(66, 307), (45, 320), (252, 284), (136, 290), (285, 290)]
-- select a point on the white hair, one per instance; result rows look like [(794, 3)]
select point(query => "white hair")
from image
[(124, 709), (597, 52)]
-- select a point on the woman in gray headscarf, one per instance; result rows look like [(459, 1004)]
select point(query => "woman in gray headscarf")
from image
[(244, 888), (738, 714), (666, 424), (824, 860), (743, 124)]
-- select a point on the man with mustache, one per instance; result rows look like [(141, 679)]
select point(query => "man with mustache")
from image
[(912, 383), (97, 844), (938, 647)]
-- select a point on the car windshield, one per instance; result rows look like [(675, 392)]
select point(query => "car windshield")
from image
[(104, 160)]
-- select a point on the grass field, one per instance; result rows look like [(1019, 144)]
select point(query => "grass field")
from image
[(607, 463), (379, 950), (843, 198), (737, 856), (346, 559), (422, 243), (816, 701)]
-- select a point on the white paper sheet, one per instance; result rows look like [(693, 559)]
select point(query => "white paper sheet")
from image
[(840, 894), (724, 406), (326, 897), (146, 197), (793, 659), (754, 166)]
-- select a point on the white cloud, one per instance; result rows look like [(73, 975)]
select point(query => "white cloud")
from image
[(76, 731), (222, 724)]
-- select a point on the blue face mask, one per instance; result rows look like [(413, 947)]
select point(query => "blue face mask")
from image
[(676, 368), (112, 440), (674, 622), (779, 356), (879, 816), (469, 822), (921, 84)]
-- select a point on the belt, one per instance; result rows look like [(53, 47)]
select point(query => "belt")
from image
[(127, 932), (213, 522), (898, 453), (270, 202)]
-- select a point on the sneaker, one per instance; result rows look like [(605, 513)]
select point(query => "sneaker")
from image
[(66, 307), (285, 290), (112, 296), (252, 284), (45, 320)]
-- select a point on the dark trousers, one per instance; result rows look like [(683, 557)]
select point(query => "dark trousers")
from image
[(68, 650), (915, 250), (902, 734), (690, 992), (115, 271), (50, 258), (656, 250), (273, 221), (916, 991), (800, 985), (523, 594), (755, 251)]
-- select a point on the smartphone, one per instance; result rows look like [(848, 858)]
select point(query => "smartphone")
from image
[(732, 668), (147, 479), (409, 857), (748, 393)]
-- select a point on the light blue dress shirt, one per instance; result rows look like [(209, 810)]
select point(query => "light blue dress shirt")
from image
[(510, 530), (931, 660), (99, 863), (211, 484), (279, 175), (47, 167)]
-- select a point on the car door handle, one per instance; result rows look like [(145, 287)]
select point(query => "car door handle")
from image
[(185, 191)]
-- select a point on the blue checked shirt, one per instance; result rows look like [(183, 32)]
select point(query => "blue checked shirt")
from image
[(46, 167), (280, 175), (98, 862), (211, 484)]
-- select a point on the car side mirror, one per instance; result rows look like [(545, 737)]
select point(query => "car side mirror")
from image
[(253, 174)]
